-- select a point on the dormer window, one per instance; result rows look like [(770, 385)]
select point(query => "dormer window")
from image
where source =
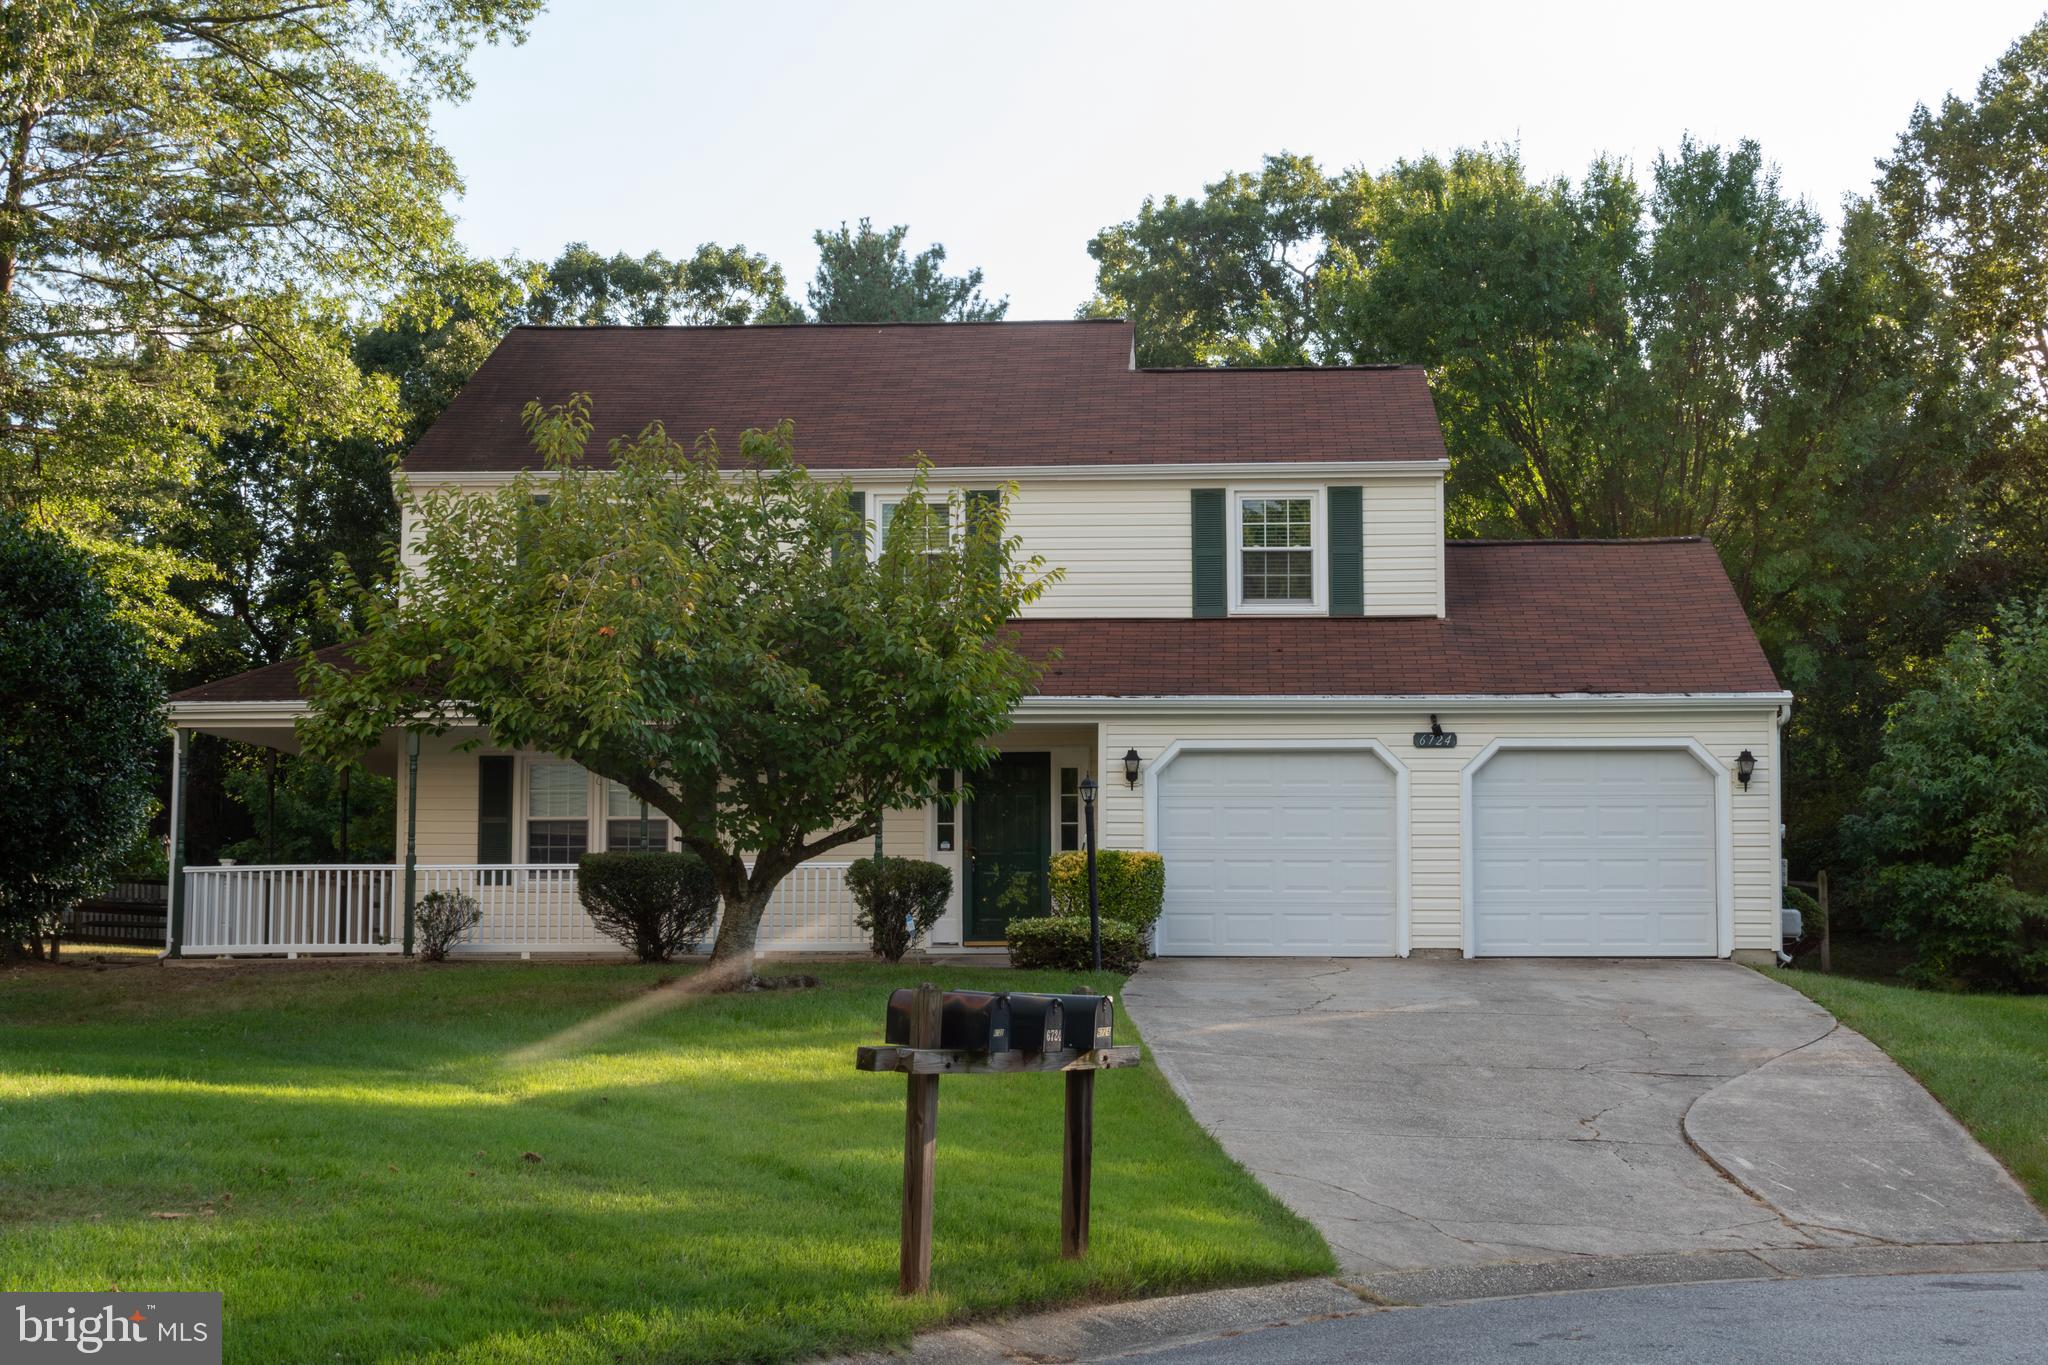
[(1277, 561)]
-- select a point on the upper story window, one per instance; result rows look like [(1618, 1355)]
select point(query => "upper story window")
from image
[(1277, 551), (934, 532)]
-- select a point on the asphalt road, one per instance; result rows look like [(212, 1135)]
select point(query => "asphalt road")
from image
[(1861, 1321)]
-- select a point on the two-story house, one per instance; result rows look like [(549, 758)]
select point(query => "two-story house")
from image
[(1346, 734)]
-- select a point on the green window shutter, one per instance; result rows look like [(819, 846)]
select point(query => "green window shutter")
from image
[(979, 501), (857, 501), (1212, 575), (494, 809), (1347, 551)]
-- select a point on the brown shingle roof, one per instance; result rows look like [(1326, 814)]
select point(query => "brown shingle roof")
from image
[(1526, 618), (967, 395), (1523, 618)]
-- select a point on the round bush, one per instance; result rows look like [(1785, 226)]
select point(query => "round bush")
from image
[(900, 899), (1132, 885), (1060, 942), (657, 904)]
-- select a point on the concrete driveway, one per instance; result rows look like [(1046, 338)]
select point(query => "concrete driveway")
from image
[(1429, 1114)]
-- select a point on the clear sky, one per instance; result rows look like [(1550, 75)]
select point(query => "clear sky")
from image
[(1013, 132)]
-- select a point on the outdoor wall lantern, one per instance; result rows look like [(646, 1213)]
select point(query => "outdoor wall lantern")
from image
[(1131, 768), (1745, 768)]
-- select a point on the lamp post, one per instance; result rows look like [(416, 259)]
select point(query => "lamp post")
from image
[(1094, 892)]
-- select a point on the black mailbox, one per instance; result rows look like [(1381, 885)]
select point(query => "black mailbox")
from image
[(1037, 1023), (1087, 1022), (973, 1021)]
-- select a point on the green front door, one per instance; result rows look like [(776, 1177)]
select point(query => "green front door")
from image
[(1009, 843)]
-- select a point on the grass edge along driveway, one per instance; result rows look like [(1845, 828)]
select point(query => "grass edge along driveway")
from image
[(1983, 1056), (343, 1151)]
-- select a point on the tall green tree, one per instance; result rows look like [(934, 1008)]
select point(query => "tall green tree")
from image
[(81, 720), (719, 285), (190, 197), (869, 276), (1236, 276), (721, 643)]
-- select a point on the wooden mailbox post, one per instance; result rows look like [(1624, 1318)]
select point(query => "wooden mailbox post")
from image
[(923, 1060)]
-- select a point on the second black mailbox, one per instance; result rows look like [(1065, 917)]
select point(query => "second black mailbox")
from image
[(1050, 1023)]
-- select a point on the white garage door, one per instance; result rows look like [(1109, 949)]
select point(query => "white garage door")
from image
[(1593, 852), (1276, 853)]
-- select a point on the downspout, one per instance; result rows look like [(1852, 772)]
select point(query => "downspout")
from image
[(1784, 710)]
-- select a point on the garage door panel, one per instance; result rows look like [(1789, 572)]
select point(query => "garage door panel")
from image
[(1594, 852), (1278, 852)]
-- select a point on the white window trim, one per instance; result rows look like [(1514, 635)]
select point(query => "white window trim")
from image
[(943, 497), (596, 813), (1319, 545), (593, 793)]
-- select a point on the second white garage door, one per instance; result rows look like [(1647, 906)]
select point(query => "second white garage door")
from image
[(1594, 853), (1278, 853)]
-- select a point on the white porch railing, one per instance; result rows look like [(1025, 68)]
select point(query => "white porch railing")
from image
[(527, 908)]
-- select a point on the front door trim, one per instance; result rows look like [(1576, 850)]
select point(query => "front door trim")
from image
[(1724, 819), (1404, 834), (968, 816)]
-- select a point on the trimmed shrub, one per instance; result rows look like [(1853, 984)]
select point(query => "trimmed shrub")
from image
[(657, 904), (1060, 942), (439, 919), (900, 899), (1132, 885)]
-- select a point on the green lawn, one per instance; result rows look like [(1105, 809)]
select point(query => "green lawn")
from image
[(1984, 1056), (343, 1148)]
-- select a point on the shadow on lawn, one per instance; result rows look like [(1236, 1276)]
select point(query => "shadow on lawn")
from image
[(715, 1182)]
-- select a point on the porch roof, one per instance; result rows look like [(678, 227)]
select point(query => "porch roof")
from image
[(1524, 619)]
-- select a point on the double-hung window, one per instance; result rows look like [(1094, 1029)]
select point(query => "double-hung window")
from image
[(631, 825), (935, 518), (557, 811), (1277, 551)]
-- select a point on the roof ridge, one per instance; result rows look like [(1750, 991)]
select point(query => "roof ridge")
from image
[(1275, 369), (812, 326), (1483, 544)]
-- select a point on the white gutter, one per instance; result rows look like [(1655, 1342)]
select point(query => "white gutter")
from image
[(284, 712), (1558, 701), (960, 475)]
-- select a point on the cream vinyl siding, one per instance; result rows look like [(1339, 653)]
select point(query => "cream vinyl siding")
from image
[(1404, 547), (447, 827), (1125, 544), (1435, 795)]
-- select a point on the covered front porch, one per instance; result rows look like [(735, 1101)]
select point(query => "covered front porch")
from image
[(507, 829)]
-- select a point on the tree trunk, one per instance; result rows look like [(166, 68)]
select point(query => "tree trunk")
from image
[(744, 907)]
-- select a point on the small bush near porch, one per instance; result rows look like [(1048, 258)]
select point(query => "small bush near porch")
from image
[(341, 1150)]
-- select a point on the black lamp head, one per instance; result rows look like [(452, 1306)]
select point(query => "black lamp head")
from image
[(1088, 789), (1131, 761), (1745, 768)]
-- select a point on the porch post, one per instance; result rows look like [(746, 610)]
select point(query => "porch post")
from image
[(174, 929), (344, 811), (412, 823)]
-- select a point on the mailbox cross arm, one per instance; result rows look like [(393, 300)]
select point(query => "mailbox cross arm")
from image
[(935, 1061)]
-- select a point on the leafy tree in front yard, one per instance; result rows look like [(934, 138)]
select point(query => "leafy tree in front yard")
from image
[(718, 641), (1953, 829), (81, 719)]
